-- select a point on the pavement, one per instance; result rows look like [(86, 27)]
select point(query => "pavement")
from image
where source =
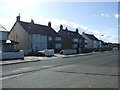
[(39, 58)]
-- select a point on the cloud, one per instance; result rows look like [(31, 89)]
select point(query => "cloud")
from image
[(116, 16), (104, 15), (112, 38)]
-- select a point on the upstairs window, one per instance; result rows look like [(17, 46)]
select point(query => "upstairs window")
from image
[(35, 36), (94, 42), (50, 38), (85, 41), (80, 40), (58, 38), (75, 40)]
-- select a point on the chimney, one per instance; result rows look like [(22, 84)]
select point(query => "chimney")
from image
[(18, 17), (61, 27), (83, 32), (32, 21), (49, 24), (77, 30), (66, 28)]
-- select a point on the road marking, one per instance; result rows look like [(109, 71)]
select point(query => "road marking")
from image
[(48, 66), (16, 70), (13, 76)]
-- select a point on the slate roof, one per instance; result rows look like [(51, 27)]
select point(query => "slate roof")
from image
[(2, 28), (91, 36), (38, 29), (73, 34)]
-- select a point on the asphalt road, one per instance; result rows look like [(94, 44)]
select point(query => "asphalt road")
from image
[(93, 71)]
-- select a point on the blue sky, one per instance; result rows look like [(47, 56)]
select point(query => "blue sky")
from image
[(98, 18)]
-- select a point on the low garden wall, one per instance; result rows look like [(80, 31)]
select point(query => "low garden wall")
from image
[(69, 51), (49, 52), (12, 55)]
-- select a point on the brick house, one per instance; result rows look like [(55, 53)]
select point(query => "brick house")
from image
[(71, 39), (33, 36)]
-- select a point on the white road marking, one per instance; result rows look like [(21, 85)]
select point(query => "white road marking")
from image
[(48, 66), (7, 77), (16, 70)]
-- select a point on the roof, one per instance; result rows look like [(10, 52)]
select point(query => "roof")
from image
[(2, 28), (91, 36), (73, 34), (32, 28)]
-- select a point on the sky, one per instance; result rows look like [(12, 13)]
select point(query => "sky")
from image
[(98, 18)]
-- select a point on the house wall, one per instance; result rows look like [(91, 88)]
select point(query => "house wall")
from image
[(38, 42), (3, 35), (0, 46), (54, 44), (95, 44), (18, 34), (89, 42), (51, 43), (66, 41)]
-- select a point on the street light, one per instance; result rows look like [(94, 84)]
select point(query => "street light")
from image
[(101, 43)]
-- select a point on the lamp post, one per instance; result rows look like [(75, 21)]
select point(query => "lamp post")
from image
[(101, 43)]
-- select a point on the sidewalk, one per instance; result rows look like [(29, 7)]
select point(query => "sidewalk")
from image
[(40, 58)]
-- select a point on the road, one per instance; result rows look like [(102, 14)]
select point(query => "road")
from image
[(93, 71)]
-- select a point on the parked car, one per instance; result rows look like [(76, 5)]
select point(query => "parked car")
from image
[(37, 53)]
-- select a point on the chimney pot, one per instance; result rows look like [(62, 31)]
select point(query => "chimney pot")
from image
[(49, 24), (32, 21), (18, 17), (77, 30), (66, 28), (61, 26)]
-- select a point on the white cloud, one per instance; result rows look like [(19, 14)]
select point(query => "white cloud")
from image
[(104, 15), (112, 38), (116, 16)]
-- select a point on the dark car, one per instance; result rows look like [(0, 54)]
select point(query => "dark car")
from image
[(37, 53)]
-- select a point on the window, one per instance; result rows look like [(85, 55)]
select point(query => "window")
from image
[(94, 41), (39, 46), (35, 36), (35, 46), (58, 46), (75, 40), (80, 40), (86, 46), (74, 46), (85, 41), (68, 33), (58, 38), (49, 38)]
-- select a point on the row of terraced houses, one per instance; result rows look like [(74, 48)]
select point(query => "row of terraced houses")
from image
[(32, 36)]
